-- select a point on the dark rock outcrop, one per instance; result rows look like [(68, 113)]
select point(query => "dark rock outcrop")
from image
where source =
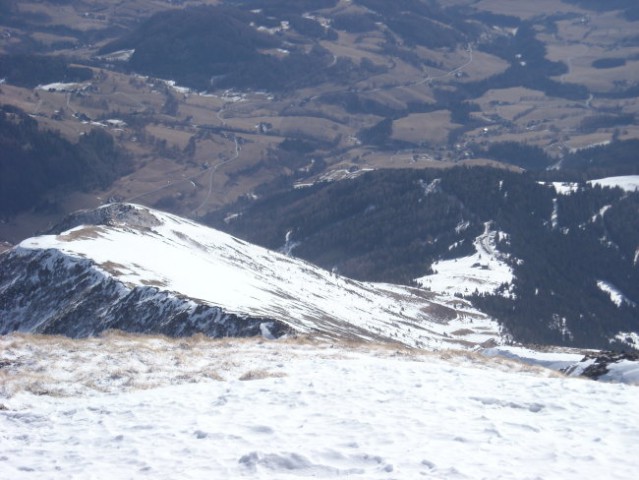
[(44, 291), (603, 361)]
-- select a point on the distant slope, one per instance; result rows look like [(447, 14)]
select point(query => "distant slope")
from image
[(224, 47), (140, 270), (400, 225), (35, 162), (33, 70)]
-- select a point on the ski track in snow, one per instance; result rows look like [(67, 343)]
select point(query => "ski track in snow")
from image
[(315, 410)]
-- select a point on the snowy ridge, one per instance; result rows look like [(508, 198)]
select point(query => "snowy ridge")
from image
[(120, 253), (56, 294)]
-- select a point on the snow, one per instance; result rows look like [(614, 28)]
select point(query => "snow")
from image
[(334, 176), (119, 56), (624, 371), (628, 183), (601, 213), (553, 359), (572, 361), (554, 216), (629, 338), (178, 88), (587, 147), (288, 410), (462, 226), (485, 271), (563, 188), (432, 187), (616, 296), (217, 269), (115, 122), (62, 87)]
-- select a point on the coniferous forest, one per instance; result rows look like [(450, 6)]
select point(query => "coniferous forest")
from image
[(393, 225), (35, 163)]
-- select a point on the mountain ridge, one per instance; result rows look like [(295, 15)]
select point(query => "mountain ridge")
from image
[(145, 271)]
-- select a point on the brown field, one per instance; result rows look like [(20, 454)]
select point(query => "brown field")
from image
[(418, 128), (215, 173), (525, 10)]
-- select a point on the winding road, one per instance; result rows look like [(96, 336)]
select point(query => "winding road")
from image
[(212, 173)]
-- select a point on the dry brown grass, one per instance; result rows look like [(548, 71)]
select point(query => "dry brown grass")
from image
[(114, 268), (462, 332), (260, 374), (524, 10), (116, 361), (433, 127)]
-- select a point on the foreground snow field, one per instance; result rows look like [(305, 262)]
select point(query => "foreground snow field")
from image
[(151, 407)]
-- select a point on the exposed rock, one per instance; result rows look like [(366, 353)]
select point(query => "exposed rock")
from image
[(601, 362), (108, 215), (47, 292)]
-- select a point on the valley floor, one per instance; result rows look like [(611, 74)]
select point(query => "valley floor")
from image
[(151, 407)]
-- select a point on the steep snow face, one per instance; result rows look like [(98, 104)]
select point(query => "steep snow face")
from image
[(120, 253), (272, 410), (485, 271)]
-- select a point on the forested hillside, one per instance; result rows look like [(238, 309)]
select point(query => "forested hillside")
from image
[(619, 157), (393, 225), (29, 71), (34, 162), (225, 47)]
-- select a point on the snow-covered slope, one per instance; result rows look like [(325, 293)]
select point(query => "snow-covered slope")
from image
[(485, 271), (628, 183), (132, 268), (144, 407)]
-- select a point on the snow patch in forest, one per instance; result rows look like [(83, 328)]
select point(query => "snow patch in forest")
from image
[(616, 295), (486, 271)]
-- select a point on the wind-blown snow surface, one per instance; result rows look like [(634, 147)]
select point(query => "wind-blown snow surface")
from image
[(277, 410), (146, 248)]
